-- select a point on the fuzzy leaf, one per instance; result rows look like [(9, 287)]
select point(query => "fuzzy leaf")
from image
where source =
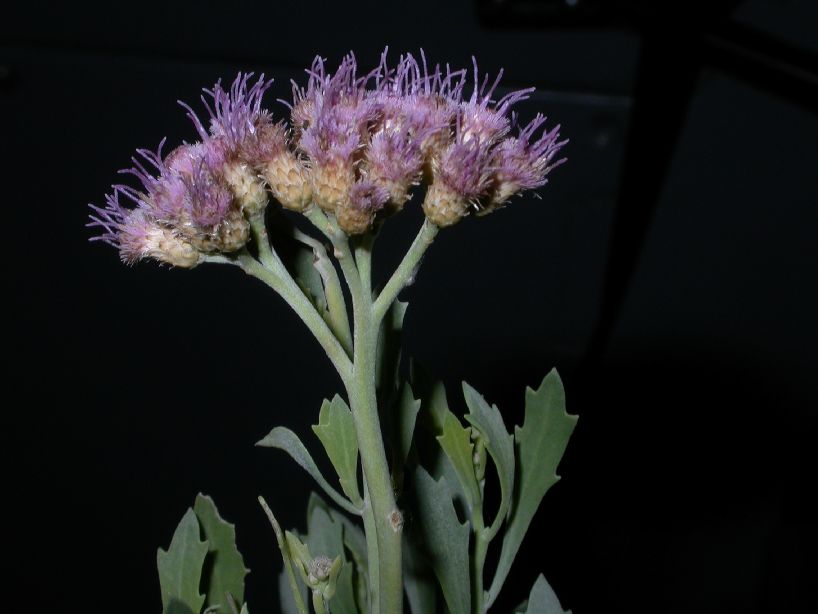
[(456, 443), (284, 439), (336, 430), (180, 567), (226, 568), (308, 277), (286, 598), (541, 442), (543, 600), (446, 540), (499, 443), (418, 580), (407, 410)]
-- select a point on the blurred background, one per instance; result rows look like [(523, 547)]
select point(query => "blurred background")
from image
[(670, 273)]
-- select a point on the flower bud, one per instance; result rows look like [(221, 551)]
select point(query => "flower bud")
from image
[(357, 213), (331, 184), (247, 187), (289, 181), (443, 206)]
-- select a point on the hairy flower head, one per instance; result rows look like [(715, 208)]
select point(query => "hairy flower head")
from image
[(357, 144)]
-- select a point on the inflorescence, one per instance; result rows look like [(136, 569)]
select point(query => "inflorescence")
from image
[(355, 146)]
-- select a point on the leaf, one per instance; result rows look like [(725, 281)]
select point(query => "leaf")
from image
[(500, 444), (407, 413), (284, 439), (456, 443), (225, 571), (180, 567), (292, 601), (541, 442), (418, 580), (286, 598), (336, 430), (543, 600), (307, 276), (355, 543), (325, 537), (445, 539)]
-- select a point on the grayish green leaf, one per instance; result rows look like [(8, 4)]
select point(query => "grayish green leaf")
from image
[(308, 277), (284, 439), (500, 444), (336, 430), (445, 539), (286, 596), (541, 442), (456, 443), (418, 580), (407, 410), (295, 597), (543, 600), (180, 567), (226, 567)]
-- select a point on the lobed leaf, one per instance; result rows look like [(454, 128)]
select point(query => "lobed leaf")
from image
[(541, 442), (445, 539), (500, 444), (543, 600), (458, 447), (180, 568), (336, 430), (226, 570)]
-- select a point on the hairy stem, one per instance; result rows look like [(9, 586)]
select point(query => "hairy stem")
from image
[(386, 578), (405, 272)]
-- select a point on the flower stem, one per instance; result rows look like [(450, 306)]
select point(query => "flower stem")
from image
[(386, 577), (405, 271), (285, 286)]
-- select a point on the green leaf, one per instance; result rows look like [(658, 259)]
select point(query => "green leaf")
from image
[(456, 443), (541, 442), (292, 601), (418, 580), (226, 565), (284, 439), (445, 539), (489, 423), (308, 277), (407, 413), (325, 537), (286, 597), (180, 567), (336, 430), (543, 600)]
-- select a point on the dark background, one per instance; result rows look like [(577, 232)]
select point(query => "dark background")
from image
[(670, 273)]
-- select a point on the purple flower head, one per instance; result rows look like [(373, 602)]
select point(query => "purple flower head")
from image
[(137, 235), (483, 118), (464, 168), (209, 200), (367, 196), (520, 164), (236, 116), (339, 111)]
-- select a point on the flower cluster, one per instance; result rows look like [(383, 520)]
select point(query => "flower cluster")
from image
[(355, 146)]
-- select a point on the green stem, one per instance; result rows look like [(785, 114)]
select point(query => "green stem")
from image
[(336, 303), (318, 603), (386, 579), (405, 271), (481, 545), (266, 254), (285, 286)]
